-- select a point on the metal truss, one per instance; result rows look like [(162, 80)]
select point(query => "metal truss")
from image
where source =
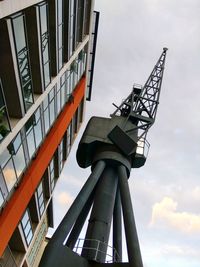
[(140, 107)]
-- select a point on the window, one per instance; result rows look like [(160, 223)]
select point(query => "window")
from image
[(4, 122), (12, 164), (87, 16), (52, 105), (8, 169), (3, 190), (19, 29), (49, 110), (46, 114), (68, 76), (73, 75), (61, 160), (1, 198), (62, 90), (60, 32), (52, 174), (77, 68), (79, 23), (40, 198), (72, 20), (61, 94), (30, 136), (76, 121), (44, 35), (69, 138), (33, 129), (38, 128), (81, 61), (27, 227), (18, 154)]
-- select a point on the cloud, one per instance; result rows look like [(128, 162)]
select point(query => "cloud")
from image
[(64, 198), (196, 193), (165, 213)]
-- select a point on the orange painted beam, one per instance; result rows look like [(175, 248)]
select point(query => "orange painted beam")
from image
[(13, 211)]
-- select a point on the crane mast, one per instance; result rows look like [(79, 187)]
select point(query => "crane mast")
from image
[(112, 147)]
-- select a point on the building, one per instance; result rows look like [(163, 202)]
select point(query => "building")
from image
[(47, 51)]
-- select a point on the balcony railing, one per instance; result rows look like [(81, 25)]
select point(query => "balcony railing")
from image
[(110, 252)]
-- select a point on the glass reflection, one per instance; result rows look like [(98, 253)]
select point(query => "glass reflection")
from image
[(18, 25), (3, 189), (27, 227), (19, 161), (19, 30), (9, 175), (43, 11), (4, 122), (31, 143), (40, 198), (38, 133), (4, 125), (1, 198), (60, 33), (52, 175), (30, 136), (46, 120)]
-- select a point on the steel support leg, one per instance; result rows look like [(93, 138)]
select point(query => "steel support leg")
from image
[(117, 229), (133, 247), (75, 232), (71, 216), (95, 245)]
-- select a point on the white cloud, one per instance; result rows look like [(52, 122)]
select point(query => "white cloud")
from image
[(165, 213), (64, 198), (196, 193), (173, 250)]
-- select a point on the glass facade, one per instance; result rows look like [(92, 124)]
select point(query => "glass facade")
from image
[(20, 36), (17, 153), (60, 157), (17, 156), (49, 113), (27, 227), (12, 162), (36, 61), (71, 27), (52, 174), (40, 198), (44, 37), (33, 129), (4, 122), (60, 26)]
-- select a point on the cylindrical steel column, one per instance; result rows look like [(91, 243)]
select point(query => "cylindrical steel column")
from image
[(117, 229), (78, 204), (75, 232), (95, 245), (133, 247), (55, 245)]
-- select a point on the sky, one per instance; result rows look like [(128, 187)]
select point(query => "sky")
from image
[(166, 191)]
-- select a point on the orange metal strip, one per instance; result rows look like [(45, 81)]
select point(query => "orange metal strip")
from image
[(16, 206)]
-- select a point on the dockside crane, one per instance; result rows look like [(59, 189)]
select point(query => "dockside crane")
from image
[(112, 147)]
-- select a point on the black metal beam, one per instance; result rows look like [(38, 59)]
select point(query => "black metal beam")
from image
[(117, 229), (133, 246)]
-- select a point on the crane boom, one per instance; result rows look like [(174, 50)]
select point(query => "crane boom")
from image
[(140, 107)]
